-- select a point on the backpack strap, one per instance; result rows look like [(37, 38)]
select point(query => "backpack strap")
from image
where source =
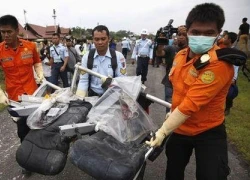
[(113, 60), (91, 61)]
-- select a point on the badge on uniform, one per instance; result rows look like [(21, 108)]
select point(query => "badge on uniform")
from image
[(123, 71), (207, 77)]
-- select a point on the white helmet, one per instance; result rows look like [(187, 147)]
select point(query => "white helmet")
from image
[(144, 31), (124, 38)]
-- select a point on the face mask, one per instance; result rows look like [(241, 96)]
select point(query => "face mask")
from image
[(200, 44)]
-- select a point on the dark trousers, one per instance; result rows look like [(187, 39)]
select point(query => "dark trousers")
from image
[(125, 52), (142, 67), (210, 153), (229, 103), (22, 128), (158, 61), (55, 73)]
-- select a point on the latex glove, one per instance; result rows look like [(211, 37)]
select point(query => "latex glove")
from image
[(175, 119), (39, 72), (103, 79), (3, 98), (167, 115), (80, 93)]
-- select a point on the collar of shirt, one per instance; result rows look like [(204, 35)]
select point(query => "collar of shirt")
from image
[(106, 55), (6, 47)]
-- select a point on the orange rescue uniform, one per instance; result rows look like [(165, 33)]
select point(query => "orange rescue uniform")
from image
[(18, 68), (200, 94)]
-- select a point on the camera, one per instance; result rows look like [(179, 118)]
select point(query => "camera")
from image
[(165, 33)]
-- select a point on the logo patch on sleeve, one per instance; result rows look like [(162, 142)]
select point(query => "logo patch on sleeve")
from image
[(207, 77), (123, 71)]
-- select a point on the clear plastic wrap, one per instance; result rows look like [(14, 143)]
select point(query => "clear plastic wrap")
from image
[(50, 109), (118, 114)]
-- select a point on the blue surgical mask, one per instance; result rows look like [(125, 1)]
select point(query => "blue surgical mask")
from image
[(200, 44)]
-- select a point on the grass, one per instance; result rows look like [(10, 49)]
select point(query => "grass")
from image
[(238, 122)]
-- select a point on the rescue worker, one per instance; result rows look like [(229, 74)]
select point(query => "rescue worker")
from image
[(101, 64), (199, 95), (142, 53), (18, 57)]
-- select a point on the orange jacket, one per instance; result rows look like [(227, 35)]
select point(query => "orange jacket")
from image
[(18, 68), (200, 94)]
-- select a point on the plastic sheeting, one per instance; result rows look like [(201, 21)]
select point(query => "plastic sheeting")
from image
[(118, 114), (50, 109)]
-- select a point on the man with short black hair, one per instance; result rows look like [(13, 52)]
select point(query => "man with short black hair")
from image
[(18, 57), (102, 64), (200, 86), (59, 57)]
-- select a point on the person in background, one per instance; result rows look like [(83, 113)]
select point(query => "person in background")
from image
[(74, 58), (92, 86), (18, 58), (59, 57), (45, 57), (125, 47), (84, 48), (243, 35), (78, 46), (169, 53), (220, 41), (143, 53), (196, 121), (229, 40), (112, 44)]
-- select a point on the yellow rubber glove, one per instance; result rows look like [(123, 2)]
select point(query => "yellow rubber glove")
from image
[(80, 93), (3, 98), (39, 72), (175, 119)]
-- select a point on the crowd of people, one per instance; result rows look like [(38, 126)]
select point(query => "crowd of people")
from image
[(198, 95)]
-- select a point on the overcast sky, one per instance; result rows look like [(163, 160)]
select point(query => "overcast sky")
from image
[(132, 15)]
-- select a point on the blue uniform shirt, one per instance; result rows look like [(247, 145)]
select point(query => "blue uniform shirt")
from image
[(143, 47), (101, 65), (61, 50)]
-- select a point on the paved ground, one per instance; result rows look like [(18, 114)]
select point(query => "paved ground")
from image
[(9, 169)]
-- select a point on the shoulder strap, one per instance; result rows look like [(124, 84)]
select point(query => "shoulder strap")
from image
[(113, 60), (58, 54), (90, 59)]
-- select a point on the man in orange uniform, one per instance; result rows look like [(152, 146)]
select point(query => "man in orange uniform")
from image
[(17, 58), (200, 85)]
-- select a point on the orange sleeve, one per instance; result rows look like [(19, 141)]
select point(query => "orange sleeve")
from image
[(211, 81)]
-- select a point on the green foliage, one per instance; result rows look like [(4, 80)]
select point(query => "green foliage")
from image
[(238, 121), (79, 32)]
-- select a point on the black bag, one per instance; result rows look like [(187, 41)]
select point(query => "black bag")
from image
[(45, 151), (104, 158)]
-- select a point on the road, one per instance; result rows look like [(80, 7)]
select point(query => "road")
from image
[(9, 169)]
